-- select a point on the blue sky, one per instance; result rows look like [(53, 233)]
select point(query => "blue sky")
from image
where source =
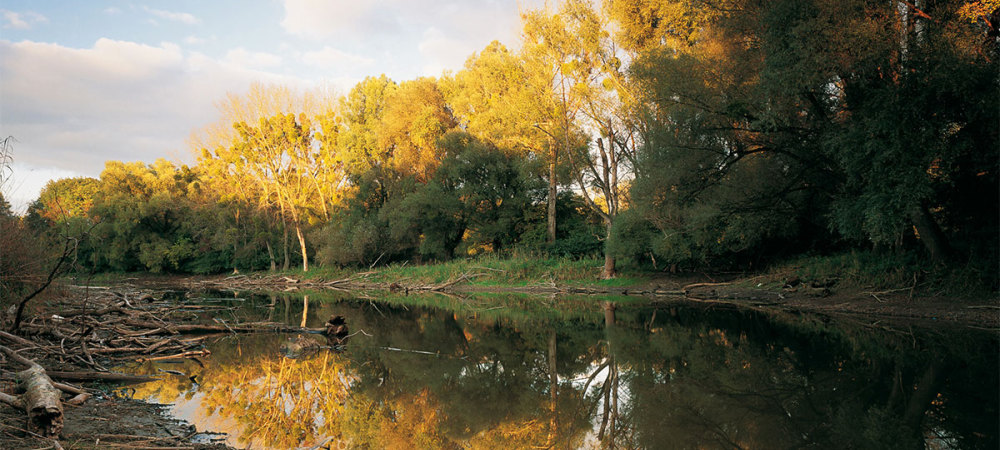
[(82, 82)]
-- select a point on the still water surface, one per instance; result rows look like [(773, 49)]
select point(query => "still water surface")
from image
[(516, 371)]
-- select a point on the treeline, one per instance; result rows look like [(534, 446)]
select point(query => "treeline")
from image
[(662, 132)]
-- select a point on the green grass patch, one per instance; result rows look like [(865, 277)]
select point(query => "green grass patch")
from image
[(487, 270)]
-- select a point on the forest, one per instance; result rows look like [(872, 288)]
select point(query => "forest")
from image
[(652, 135)]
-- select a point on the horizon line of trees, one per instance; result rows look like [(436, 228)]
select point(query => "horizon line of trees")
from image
[(671, 133)]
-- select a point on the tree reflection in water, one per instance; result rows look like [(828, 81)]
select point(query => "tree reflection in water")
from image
[(598, 374)]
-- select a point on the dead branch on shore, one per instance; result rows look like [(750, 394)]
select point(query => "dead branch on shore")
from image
[(69, 247), (183, 355), (118, 325)]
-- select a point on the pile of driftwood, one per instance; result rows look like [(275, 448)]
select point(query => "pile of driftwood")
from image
[(107, 330), (242, 282), (354, 283)]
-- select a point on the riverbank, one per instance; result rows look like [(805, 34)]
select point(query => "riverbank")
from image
[(854, 284)]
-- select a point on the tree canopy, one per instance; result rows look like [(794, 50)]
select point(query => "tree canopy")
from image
[(669, 132)]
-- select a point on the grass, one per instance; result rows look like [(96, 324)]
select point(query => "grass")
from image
[(517, 270)]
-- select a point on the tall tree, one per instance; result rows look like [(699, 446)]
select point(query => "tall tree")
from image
[(62, 199), (591, 87), (506, 99), (278, 155), (272, 158)]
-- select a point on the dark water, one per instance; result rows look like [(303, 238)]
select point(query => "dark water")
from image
[(504, 371)]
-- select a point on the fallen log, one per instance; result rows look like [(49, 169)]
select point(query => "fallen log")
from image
[(688, 287), (41, 400), (17, 339), (94, 312), (100, 376), (190, 354), (252, 327), (80, 395)]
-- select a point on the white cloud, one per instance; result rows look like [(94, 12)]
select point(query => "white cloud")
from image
[(440, 52), (26, 182), (181, 17), (22, 21), (112, 11), (444, 32), (242, 57), (322, 18), (73, 109), (194, 40), (329, 57)]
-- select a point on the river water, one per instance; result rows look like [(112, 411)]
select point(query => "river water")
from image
[(520, 371)]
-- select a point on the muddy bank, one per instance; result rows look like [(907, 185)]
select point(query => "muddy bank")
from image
[(108, 421)]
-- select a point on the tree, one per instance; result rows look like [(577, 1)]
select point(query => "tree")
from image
[(5, 210), (918, 113), (363, 110), (591, 85), (278, 156), (414, 118), (310, 179), (494, 189), (65, 198), (506, 99), (798, 119)]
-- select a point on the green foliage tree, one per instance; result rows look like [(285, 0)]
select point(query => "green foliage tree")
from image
[(495, 190), (783, 120), (506, 99), (915, 131)]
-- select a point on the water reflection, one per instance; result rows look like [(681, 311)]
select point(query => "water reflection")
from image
[(438, 372)]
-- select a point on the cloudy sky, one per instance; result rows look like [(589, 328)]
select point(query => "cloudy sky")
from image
[(85, 82)]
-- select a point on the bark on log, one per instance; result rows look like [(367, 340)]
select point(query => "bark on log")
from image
[(41, 401)]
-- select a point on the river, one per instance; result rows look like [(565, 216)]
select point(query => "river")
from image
[(521, 371)]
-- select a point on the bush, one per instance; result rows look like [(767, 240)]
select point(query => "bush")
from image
[(23, 262)]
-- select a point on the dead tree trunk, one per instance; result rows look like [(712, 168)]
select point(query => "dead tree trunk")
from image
[(40, 399)]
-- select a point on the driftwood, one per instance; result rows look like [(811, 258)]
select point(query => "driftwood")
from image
[(16, 339), (183, 355), (100, 376), (41, 399), (156, 328)]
